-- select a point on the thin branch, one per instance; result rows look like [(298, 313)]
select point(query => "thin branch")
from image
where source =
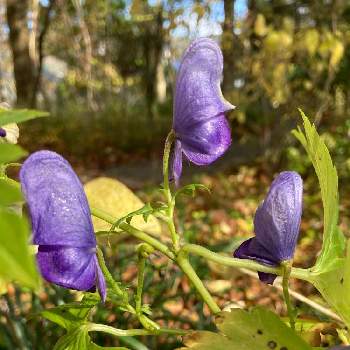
[(300, 297)]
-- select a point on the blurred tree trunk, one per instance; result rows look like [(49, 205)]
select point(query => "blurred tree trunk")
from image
[(33, 19), (227, 45), (46, 20), (87, 59), (251, 18), (23, 64), (153, 48)]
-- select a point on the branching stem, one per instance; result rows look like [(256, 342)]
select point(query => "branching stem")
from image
[(167, 192), (95, 327)]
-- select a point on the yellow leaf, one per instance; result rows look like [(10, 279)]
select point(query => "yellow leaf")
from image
[(337, 53), (115, 198), (311, 41), (3, 286), (260, 27), (278, 41)]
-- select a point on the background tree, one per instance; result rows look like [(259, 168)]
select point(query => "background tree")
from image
[(23, 63), (120, 58), (228, 44)]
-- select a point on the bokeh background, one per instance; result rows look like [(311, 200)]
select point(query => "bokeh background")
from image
[(105, 70)]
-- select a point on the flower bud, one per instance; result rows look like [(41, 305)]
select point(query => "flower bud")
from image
[(276, 224)]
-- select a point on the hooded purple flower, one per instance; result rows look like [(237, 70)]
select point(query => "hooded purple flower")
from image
[(201, 129), (276, 224), (61, 223)]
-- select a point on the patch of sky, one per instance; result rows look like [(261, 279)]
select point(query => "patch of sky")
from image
[(210, 24), (189, 25)]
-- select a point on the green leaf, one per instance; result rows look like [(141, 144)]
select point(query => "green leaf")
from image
[(79, 339), (145, 211), (191, 189), (10, 153), (9, 193), (76, 339), (8, 116), (94, 346), (16, 261), (333, 240), (71, 316), (133, 343), (334, 285), (259, 329)]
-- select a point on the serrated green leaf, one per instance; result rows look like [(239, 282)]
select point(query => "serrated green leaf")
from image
[(146, 309), (70, 316), (10, 153), (9, 193), (73, 318), (191, 189), (145, 211), (259, 329), (63, 317), (76, 339), (8, 116), (16, 261), (334, 285), (333, 240)]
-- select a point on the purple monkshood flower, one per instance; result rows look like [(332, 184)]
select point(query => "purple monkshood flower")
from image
[(276, 224), (2, 132), (201, 129), (61, 223)]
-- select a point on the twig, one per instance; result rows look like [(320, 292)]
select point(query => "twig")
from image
[(299, 297)]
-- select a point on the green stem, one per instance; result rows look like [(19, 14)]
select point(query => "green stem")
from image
[(143, 252), (94, 327), (134, 232), (303, 274), (286, 267), (140, 280), (18, 165), (167, 148), (110, 280), (145, 321), (187, 268), (10, 181), (170, 200), (148, 239), (171, 226), (180, 259)]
